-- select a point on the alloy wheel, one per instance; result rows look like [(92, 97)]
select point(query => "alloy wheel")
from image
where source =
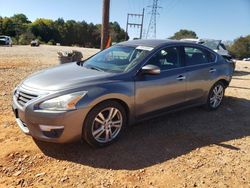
[(107, 125), (216, 96)]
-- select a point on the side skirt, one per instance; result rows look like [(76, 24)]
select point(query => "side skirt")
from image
[(167, 110)]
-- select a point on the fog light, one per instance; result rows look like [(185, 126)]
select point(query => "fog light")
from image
[(52, 131), (50, 127)]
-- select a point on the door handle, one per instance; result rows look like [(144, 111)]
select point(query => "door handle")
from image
[(212, 70), (180, 78)]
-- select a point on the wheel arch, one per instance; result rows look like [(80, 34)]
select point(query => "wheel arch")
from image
[(224, 82), (125, 105)]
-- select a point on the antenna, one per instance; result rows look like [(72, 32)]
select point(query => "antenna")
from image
[(151, 33)]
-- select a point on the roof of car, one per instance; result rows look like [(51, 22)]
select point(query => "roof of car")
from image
[(148, 42), (155, 43)]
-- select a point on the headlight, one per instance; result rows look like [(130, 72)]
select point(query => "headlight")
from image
[(64, 102)]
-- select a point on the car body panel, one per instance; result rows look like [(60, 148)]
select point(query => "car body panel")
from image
[(151, 90), (67, 76)]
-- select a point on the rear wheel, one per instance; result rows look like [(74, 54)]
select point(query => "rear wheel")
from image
[(104, 124), (215, 96)]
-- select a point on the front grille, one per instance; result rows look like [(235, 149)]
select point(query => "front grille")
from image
[(24, 97)]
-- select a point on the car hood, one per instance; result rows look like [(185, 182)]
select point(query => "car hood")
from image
[(63, 77)]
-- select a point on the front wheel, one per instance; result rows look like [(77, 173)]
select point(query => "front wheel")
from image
[(215, 97), (104, 124)]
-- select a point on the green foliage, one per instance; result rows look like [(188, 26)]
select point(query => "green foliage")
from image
[(45, 29), (8, 27), (48, 31), (183, 33), (20, 19), (26, 38), (51, 42), (117, 34), (14, 41), (241, 47)]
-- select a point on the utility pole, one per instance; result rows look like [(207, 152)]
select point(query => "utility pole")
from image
[(151, 33), (105, 24), (135, 24)]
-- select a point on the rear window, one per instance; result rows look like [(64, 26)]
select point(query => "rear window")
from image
[(211, 56), (195, 56)]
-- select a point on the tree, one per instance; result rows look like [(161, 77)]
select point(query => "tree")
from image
[(20, 18), (45, 29), (26, 37), (68, 32), (1, 25), (184, 33), (241, 47), (116, 32), (21, 24), (8, 27)]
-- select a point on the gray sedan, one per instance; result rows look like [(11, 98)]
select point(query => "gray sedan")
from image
[(97, 98)]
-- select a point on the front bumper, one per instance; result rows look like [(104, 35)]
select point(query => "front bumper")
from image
[(50, 126), (2, 42)]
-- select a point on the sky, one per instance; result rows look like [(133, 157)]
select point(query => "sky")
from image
[(215, 19)]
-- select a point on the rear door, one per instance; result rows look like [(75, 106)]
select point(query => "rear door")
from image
[(155, 92), (201, 68)]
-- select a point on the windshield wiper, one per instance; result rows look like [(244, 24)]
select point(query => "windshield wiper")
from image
[(96, 68)]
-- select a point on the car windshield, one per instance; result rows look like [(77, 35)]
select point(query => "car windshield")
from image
[(2, 37), (117, 59)]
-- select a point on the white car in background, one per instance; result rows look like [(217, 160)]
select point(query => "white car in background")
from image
[(215, 45), (5, 40), (246, 59)]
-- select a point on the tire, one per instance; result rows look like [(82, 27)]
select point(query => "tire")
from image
[(215, 96), (98, 129)]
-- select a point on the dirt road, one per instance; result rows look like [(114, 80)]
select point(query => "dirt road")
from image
[(191, 148)]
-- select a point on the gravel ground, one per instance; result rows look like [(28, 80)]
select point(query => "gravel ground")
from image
[(190, 148)]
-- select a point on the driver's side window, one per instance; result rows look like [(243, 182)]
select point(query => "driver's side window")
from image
[(166, 58)]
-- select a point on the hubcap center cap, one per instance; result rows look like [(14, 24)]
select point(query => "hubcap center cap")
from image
[(107, 125)]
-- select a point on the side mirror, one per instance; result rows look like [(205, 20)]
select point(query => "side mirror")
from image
[(151, 70)]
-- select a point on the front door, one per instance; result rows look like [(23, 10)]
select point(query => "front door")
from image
[(155, 92)]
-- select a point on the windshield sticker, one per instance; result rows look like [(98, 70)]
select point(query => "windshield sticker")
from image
[(144, 48)]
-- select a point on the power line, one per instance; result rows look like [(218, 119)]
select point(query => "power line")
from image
[(151, 33)]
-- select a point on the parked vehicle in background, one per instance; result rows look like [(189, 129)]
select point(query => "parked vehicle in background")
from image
[(246, 59), (131, 81), (5, 40), (34, 43), (215, 45), (191, 40)]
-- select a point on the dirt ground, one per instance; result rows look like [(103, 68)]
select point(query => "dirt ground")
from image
[(190, 148)]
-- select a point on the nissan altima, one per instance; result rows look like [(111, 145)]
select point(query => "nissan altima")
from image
[(98, 98)]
